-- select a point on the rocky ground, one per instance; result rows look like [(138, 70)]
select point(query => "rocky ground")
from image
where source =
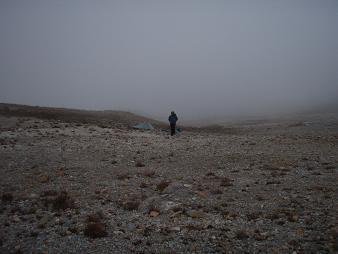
[(80, 188)]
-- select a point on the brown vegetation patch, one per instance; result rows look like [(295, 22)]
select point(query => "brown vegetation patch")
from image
[(95, 230), (216, 191), (162, 185), (60, 202), (48, 193), (143, 185), (149, 173), (7, 197), (254, 215), (95, 217), (130, 205), (273, 182), (289, 214), (139, 164), (241, 234), (123, 176), (226, 182)]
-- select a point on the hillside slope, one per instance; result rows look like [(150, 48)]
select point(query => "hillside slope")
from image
[(103, 118)]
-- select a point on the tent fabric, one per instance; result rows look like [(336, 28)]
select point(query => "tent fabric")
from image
[(143, 126)]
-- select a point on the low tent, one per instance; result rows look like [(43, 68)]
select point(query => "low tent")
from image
[(143, 126)]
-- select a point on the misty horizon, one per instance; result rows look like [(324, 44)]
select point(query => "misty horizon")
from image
[(203, 60)]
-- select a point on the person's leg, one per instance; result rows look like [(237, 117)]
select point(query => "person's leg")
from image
[(172, 129)]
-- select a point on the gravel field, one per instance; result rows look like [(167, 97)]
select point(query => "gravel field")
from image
[(81, 188)]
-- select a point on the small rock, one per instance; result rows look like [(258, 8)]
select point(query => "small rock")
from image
[(43, 222), (259, 236), (154, 213), (176, 214), (33, 196), (170, 205), (16, 219), (175, 229), (149, 173), (196, 214), (123, 176)]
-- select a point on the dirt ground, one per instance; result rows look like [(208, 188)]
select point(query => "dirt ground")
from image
[(81, 188)]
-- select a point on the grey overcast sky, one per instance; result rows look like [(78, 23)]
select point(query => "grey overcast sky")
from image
[(199, 58)]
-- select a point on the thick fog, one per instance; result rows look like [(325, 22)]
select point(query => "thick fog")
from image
[(200, 58)]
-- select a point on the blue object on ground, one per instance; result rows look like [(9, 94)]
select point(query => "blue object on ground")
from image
[(143, 126)]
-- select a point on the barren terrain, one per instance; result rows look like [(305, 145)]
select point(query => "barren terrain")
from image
[(78, 187)]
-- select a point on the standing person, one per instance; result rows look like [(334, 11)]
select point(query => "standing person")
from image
[(172, 120)]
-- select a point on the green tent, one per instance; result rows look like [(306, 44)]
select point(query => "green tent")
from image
[(143, 126)]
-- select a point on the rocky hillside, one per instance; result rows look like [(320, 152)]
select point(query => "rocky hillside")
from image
[(106, 118)]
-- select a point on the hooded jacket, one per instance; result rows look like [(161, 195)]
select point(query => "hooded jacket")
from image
[(172, 119)]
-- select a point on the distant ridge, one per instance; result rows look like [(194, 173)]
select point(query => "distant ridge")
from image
[(104, 118)]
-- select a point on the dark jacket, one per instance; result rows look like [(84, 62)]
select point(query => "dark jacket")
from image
[(172, 119)]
